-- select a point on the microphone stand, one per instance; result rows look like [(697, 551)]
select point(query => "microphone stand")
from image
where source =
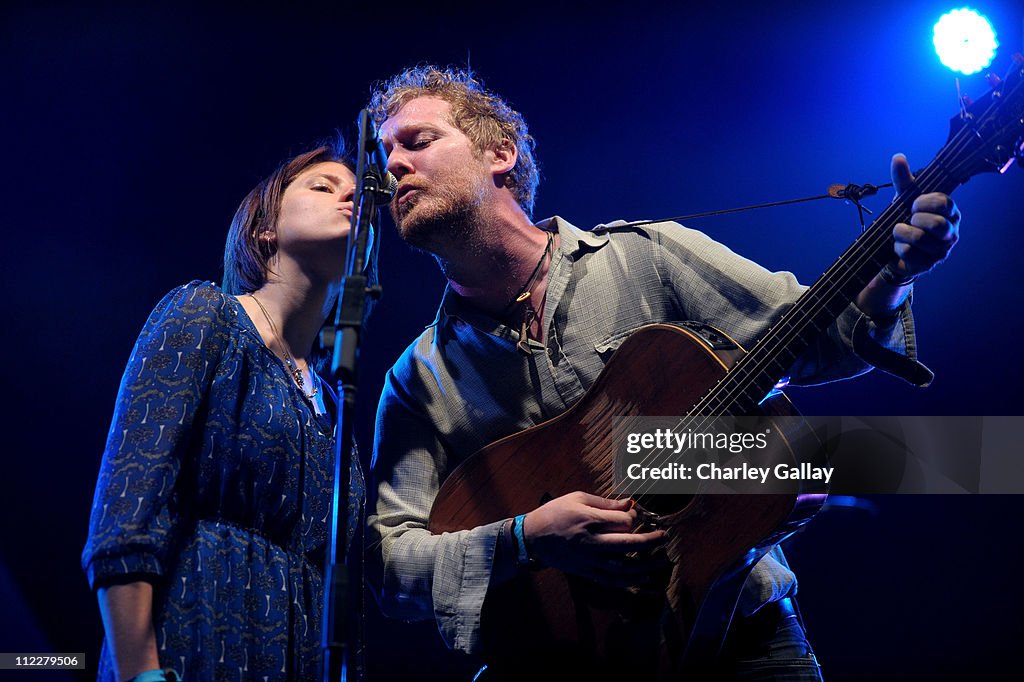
[(339, 606)]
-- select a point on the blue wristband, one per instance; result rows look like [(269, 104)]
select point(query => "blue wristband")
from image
[(523, 557)]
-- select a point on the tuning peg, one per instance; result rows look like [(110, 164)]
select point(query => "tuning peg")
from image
[(965, 103), (1017, 155), (993, 80), (1018, 58), (962, 100)]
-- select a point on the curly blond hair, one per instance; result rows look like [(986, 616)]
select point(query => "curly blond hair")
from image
[(486, 119)]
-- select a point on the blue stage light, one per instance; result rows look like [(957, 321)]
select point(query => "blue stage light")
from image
[(965, 41)]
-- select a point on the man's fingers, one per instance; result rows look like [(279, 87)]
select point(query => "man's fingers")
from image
[(606, 521), (935, 202), (603, 502), (902, 178), (928, 237), (934, 225), (933, 229), (630, 542)]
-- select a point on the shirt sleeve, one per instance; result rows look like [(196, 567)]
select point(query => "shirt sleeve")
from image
[(135, 513), (715, 285), (415, 574)]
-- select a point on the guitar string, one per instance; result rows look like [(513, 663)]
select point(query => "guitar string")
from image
[(958, 149), (862, 252), (731, 384), (866, 252)]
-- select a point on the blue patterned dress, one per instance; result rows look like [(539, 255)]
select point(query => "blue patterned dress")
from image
[(215, 486)]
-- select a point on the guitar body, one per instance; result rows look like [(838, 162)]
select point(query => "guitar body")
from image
[(714, 540)]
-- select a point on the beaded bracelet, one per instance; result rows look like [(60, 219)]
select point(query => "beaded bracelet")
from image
[(889, 275)]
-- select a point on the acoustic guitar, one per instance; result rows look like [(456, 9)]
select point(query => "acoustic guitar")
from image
[(545, 616)]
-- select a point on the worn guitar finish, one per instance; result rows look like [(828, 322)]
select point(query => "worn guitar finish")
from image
[(668, 370)]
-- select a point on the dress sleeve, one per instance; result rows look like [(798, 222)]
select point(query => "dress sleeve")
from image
[(136, 512), (415, 574), (715, 285)]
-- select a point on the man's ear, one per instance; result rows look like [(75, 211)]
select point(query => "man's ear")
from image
[(503, 157)]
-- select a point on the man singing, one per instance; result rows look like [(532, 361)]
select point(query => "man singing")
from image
[(530, 316)]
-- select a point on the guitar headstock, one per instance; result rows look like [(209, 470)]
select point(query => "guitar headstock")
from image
[(988, 134)]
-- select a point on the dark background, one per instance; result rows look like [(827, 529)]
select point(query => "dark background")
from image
[(131, 133)]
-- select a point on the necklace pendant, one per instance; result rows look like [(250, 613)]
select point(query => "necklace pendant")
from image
[(289, 362), (524, 340)]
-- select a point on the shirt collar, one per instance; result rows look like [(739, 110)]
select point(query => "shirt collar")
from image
[(572, 241)]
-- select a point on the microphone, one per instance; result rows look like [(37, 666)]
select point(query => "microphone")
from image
[(388, 183)]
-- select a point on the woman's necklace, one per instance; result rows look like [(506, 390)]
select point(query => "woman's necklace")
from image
[(524, 295), (289, 359)]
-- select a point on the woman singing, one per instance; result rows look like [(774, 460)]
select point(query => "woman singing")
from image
[(212, 509)]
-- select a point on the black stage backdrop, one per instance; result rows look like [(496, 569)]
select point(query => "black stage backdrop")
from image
[(130, 134)]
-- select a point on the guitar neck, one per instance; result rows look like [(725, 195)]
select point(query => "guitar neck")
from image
[(750, 380)]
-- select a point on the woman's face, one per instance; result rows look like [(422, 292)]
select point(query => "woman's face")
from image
[(316, 210)]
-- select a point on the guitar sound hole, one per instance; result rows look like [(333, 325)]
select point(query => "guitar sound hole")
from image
[(661, 505)]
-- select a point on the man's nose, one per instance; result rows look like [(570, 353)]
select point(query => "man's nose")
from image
[(398, 163)]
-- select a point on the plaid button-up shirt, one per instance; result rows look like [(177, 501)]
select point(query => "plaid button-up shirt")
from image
[(463, 384)]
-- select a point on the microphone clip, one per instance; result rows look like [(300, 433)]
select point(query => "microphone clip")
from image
[(852, 191)]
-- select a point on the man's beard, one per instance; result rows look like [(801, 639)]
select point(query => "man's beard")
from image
[(433, 222)]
